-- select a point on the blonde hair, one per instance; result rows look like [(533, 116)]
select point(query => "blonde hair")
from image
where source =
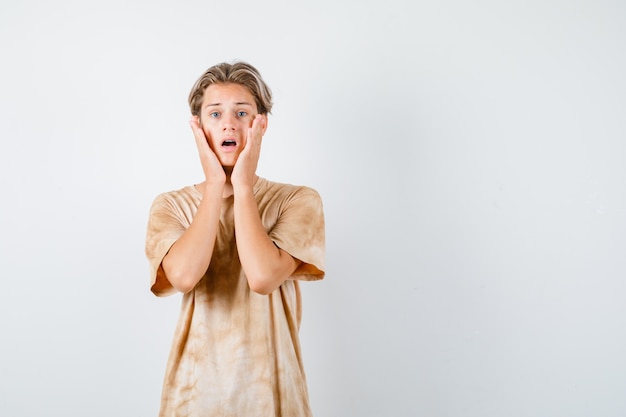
[(238, 72)]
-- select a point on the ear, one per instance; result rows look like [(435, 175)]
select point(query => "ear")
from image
[(265, 119)]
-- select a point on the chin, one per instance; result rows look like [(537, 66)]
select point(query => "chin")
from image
[(228, 164)]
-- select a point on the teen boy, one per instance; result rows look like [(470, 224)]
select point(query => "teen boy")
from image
[(235, 245)]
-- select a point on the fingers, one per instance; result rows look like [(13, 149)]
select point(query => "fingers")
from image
[(198, 134), (245, 168), (260, 122), (255, 132), (211, 166)]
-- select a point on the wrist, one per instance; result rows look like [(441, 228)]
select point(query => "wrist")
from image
[(244, 186), (212, 187), (215, 180), (242, 190)]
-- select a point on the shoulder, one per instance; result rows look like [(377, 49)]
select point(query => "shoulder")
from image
[(180, 198), (274, 189), (282, 199)]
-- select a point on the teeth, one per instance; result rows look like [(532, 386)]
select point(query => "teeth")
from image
[(229, 143)]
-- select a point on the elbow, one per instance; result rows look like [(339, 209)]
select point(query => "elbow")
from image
[(262, 285), (266, 281), (181, 281), (183, 287)]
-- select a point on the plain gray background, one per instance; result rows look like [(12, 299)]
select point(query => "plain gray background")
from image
[(471, 160)]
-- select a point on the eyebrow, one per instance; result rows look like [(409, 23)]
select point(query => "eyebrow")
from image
[(239, 103)]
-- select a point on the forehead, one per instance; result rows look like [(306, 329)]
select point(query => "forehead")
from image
[(227, 94)]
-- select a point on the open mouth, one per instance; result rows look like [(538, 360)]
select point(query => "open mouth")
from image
[(229, 142)]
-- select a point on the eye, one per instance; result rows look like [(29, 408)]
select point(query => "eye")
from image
[(242, 113), (214, 114)]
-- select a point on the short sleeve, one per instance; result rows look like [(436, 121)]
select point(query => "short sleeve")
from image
[(300, 232), (164, 228)]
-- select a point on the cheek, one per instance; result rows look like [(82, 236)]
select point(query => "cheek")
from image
[(209, 137), (207, 131)]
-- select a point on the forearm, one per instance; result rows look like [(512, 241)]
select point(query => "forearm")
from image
[(189, 257), (266, 266)]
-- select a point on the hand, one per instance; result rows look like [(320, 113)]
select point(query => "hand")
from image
[(244, 171), (213, 170)]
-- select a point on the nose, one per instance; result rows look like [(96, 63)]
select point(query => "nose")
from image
[(228, 122)]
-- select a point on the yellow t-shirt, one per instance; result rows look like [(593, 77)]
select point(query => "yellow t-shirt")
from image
[(236, 352)]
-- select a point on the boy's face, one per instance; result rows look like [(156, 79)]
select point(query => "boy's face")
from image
[(227, 112)]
